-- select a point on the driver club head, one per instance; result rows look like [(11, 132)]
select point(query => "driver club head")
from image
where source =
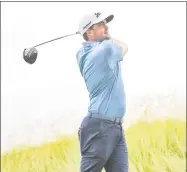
[(30, 55)]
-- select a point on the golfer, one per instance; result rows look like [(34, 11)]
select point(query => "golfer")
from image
[(101, 136)]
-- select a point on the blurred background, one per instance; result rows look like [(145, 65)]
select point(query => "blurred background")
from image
[(47, 99)]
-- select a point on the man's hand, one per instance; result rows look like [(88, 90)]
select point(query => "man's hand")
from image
[(122, 44)]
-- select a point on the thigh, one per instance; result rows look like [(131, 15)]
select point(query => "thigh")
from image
[(90, 162), (118, 162), (91, 146), (97, 142)]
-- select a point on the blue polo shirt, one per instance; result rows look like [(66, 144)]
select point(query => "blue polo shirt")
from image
[(99, 64)]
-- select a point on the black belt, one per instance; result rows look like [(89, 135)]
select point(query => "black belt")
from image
[(116, 120)]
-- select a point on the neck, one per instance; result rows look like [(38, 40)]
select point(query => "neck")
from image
[(94, 40), (91, 40)]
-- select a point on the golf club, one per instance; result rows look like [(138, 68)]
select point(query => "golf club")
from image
[(30, 54)]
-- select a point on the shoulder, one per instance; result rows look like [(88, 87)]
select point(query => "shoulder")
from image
[(94, 49), (79, 54), (106, 43), (109, 45), (102, 48)]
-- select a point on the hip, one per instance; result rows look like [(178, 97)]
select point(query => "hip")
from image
[(95, 132)]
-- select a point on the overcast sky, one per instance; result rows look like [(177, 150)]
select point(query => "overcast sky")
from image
[(156, 60)]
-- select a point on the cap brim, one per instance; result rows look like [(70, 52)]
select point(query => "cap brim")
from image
[(109, 18), (98, 20)]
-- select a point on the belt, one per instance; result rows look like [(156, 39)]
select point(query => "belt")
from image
[(116, 120)]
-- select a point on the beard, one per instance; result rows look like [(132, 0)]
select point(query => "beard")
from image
[(107, 35), (104, 38)]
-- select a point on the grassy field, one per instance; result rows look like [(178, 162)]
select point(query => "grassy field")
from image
[(159, 146)]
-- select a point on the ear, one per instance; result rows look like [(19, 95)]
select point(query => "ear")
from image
[(89, 32)]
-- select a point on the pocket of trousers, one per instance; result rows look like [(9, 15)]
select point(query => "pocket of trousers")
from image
[(83, 124), (99, 139), (88, 133)]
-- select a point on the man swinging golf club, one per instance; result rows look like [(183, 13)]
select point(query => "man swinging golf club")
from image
[(101, 136)]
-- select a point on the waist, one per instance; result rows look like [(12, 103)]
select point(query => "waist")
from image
[(114, 119), (109, 106)]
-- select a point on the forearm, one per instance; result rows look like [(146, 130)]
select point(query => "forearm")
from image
[(122, 44)]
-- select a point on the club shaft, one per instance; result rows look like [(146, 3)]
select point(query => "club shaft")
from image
[(55, 39)]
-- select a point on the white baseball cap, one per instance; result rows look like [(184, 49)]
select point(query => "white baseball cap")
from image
[(90, 19)]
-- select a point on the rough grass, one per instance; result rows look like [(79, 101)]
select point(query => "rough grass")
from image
[(159, 146)]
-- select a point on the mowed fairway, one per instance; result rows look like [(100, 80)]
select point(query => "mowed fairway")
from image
[(159, 146)]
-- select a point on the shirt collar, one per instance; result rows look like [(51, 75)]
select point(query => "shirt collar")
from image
[(90, 42)]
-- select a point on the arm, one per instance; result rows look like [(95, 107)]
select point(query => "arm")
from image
[(122, 44), (115, 48)]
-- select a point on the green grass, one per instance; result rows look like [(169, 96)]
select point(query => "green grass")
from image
[(159, 146)]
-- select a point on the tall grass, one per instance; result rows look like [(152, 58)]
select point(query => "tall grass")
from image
[(159, 146)]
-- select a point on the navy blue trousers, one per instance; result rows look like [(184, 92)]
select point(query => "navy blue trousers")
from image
[(102, 145)]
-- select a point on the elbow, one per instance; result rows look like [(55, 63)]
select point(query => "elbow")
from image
[(125, 50)]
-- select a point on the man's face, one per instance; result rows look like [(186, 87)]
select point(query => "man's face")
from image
[(98, 32)]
